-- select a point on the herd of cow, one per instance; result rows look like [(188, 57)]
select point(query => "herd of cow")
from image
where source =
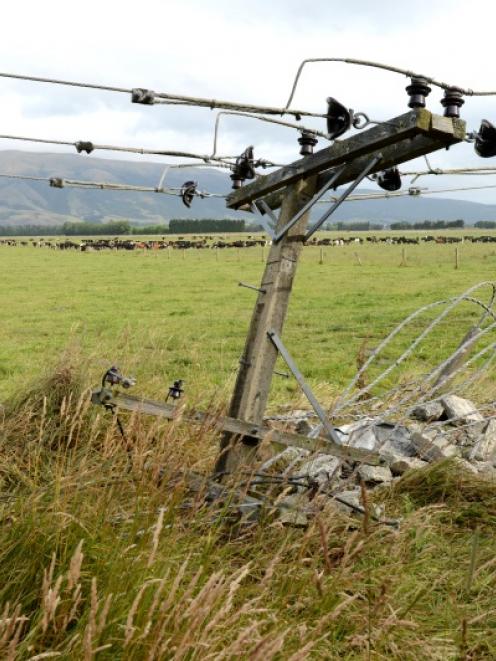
[(212, 242)]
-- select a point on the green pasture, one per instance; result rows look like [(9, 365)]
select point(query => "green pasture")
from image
[(162, 315)]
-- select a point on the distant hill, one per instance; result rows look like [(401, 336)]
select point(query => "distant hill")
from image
[(32, 202)]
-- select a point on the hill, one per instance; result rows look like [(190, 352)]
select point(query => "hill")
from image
[(33, 202)]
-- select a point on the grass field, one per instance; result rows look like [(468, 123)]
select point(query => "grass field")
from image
[(99, 558), (164, 315)]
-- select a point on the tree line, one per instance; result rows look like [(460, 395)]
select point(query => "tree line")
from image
[(429, 225), (120, 227)]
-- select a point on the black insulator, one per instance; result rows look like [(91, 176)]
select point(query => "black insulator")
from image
[(56, 182), (244, 168), (452, 102), (176, 390), (188, 192), (389, 179), (307, 140), (84, 146), (485, 140), (114, 377), (339, 118), (417, 91), (144, 96)]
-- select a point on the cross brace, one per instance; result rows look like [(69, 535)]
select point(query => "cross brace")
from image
[(120, 401), (401, 139)]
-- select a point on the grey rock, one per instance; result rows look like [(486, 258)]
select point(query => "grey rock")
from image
[(485, 448), (402, 464), (485, 468), (321, 468), (292, 510), (285, 458), (348, 501), (463, 463), (461, 410), (358, 434), (434, 448), (428, 411), (304, 427), (394, 440), (375, 474)]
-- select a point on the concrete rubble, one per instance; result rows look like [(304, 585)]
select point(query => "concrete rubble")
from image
[(448, 427)]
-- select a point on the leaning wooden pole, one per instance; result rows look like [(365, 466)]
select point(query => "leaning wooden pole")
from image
[(257, 363)]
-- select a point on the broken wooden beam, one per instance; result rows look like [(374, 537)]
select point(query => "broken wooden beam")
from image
[(400, 139), (240, 428)]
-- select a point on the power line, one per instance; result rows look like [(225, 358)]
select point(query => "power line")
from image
[(150, 97), (269, 120), (385, 67), (411, 192), (60, 182), (88, 147), (416, 174)]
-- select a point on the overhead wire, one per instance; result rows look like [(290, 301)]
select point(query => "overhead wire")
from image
[(60, 182), (412, 192), (385, 67), (269, 120), (84, 146), (150, 97)]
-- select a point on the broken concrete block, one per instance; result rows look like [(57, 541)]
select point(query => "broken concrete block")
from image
[(428, 412), (402, 464), (485, 448), (394, 440), (284, 459), (437, 448), (348, 501), (375, 474), (466, 465), (303, 427), (485, 468), (292, 510), (358, 434), (321, 468), (460, 410)]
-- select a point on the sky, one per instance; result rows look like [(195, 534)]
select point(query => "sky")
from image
[(238, 51)]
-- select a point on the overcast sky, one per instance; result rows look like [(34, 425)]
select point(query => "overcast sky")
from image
[(241, 51)]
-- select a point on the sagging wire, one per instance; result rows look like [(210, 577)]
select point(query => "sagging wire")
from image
[(59, 182), (385, 67), (298, 127), (150, 97), (416, 174), (440, 375), (451, 304), (88, 147), (410, 192)]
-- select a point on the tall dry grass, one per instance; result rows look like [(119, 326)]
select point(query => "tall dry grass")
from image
[(105, 554)]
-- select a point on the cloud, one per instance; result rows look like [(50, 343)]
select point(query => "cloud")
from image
[(237, 51)]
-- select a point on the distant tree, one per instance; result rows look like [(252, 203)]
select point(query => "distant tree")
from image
[(149, 229), (486, 224), (191, 226)]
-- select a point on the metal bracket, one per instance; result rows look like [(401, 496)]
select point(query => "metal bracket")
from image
[(371, 164), (278, 343), (259, 289), (262, 219), (309, 204)]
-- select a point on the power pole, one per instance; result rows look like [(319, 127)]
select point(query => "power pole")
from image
[(257, 364), (296, 188)]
